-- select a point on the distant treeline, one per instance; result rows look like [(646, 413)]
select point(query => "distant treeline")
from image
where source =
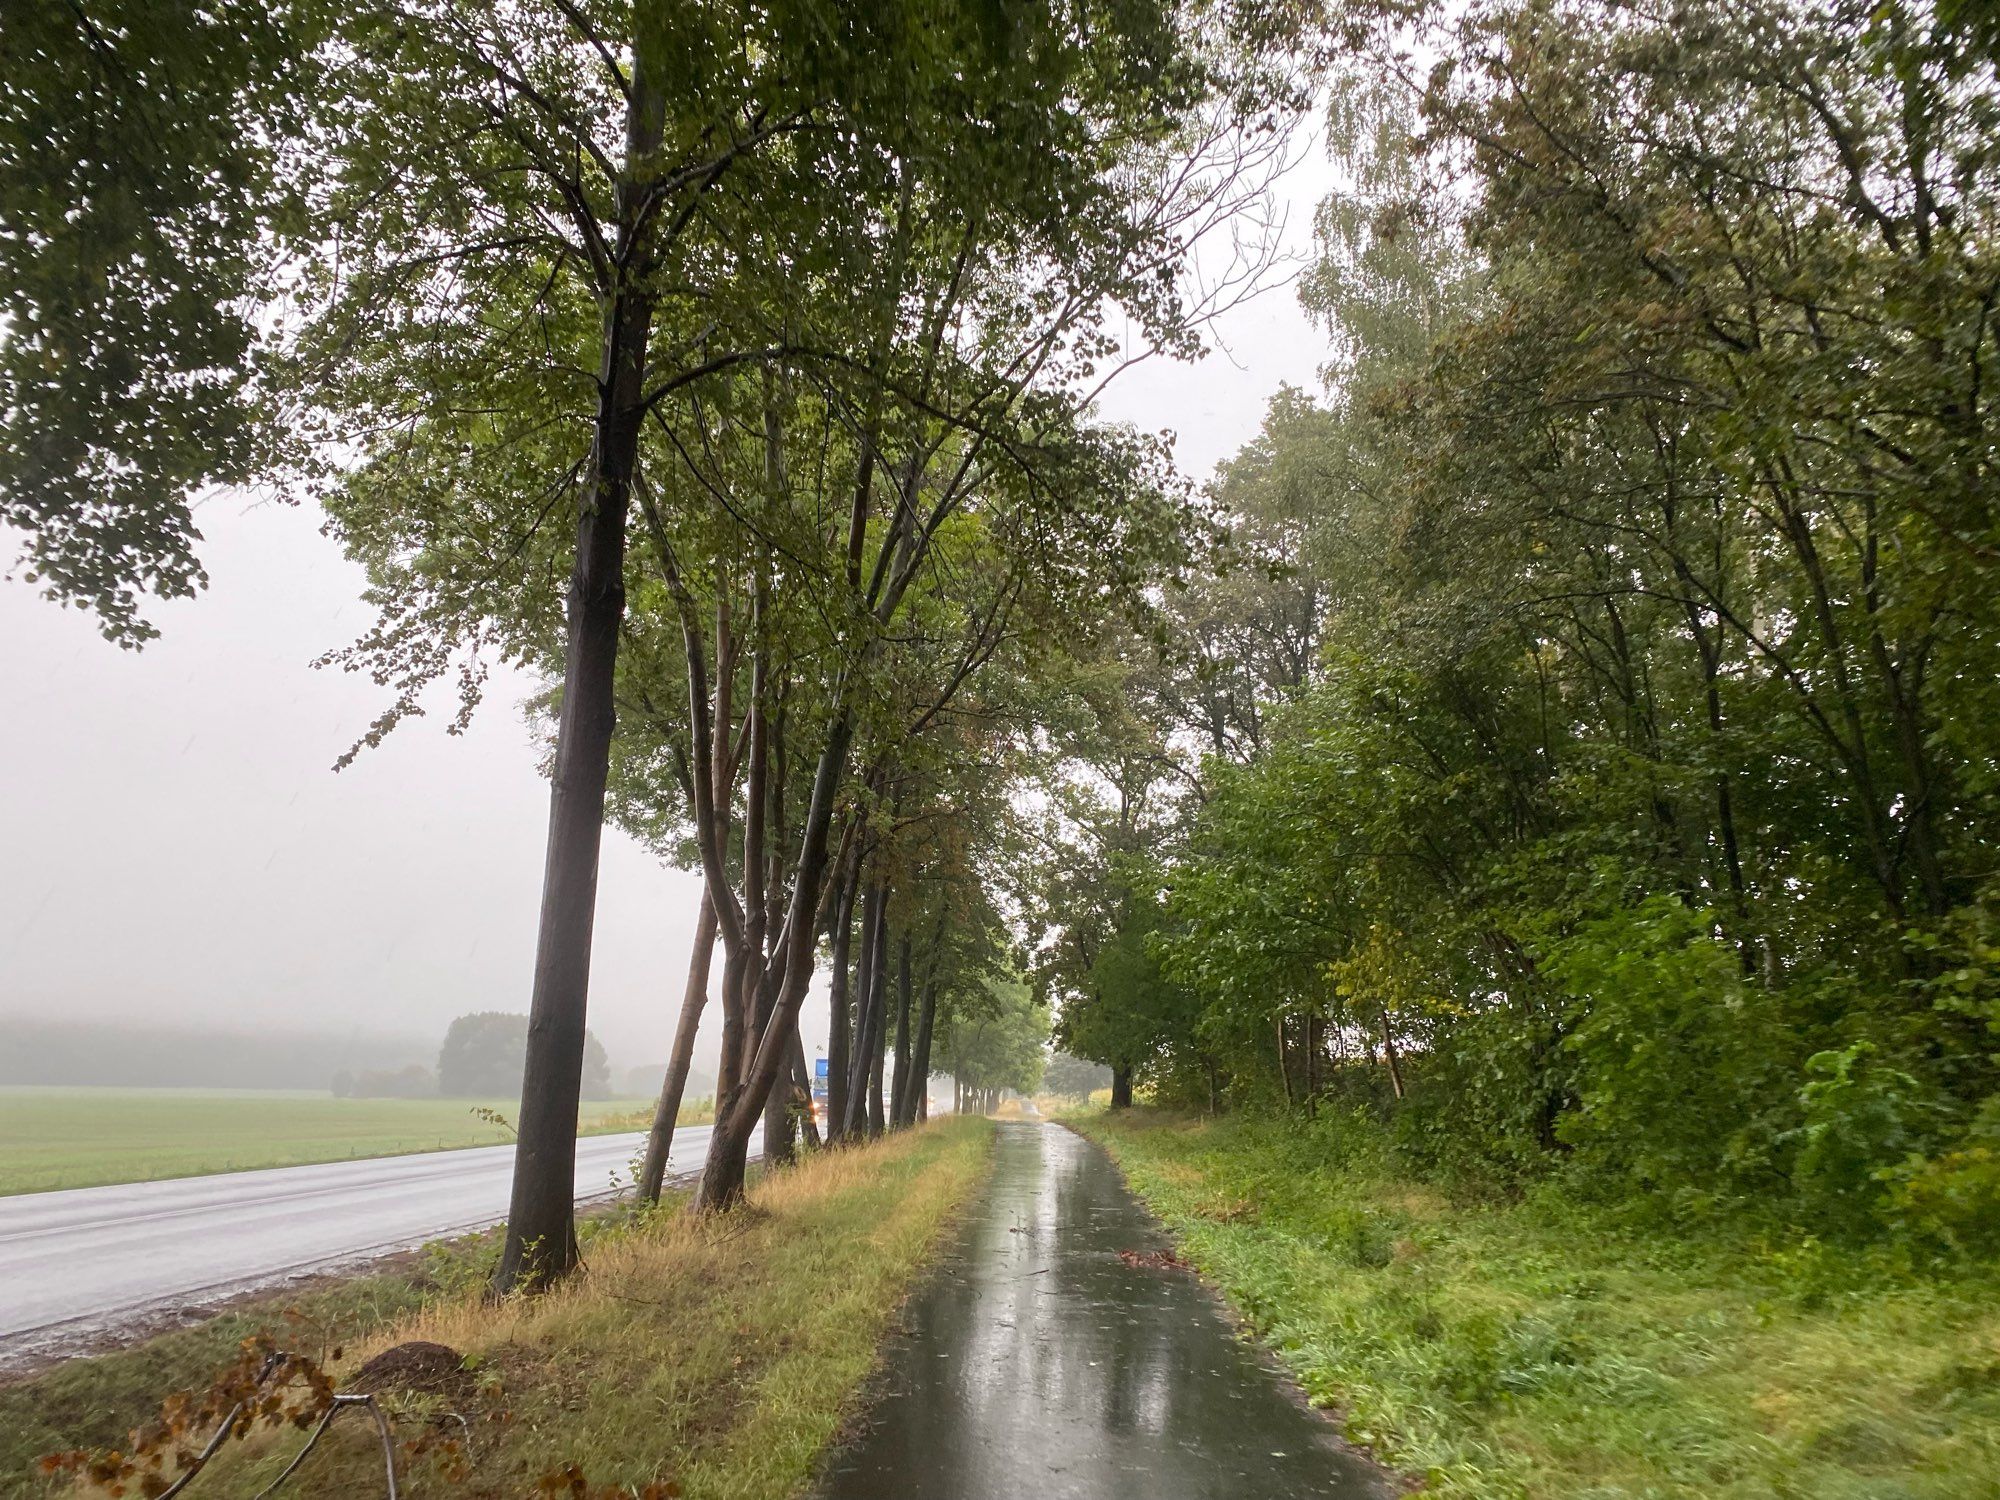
[(483, 1057), (122, 1055)]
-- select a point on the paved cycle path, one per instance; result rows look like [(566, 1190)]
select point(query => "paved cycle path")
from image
[(1040, 1363)]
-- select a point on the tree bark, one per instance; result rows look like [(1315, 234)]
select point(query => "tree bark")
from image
[(1121, 1087), (540, 1244), (653, 1170)]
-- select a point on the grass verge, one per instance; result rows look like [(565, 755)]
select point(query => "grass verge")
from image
[(713, 1357), (53, 1138), (1543, 1348)]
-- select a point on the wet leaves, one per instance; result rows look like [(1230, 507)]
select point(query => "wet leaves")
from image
[(1152, 1260)]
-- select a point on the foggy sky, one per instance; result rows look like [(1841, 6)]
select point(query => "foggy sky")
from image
[(175, 846)]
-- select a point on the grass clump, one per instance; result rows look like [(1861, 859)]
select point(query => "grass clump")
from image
[(702, 1357), (1538, 1347)]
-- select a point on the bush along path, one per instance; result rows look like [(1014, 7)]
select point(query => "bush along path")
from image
[(1509, 1347), (1063, 1352), (695, 1356)]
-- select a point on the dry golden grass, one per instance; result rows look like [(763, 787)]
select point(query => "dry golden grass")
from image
[(716, 1355)]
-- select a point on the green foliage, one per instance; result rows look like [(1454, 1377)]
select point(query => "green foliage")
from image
[(1588, 758), (995, 1039), (138, 201), (1953, 1199), (1677, 1062), (1070, 1077)]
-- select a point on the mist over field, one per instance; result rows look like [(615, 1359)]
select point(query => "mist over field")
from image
[(119, 1055), (114, 1054)]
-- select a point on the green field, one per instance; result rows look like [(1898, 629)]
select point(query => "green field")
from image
[(78, 1137)]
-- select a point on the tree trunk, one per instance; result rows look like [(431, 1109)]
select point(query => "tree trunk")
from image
[(540, 1245), (917, 1103), (787, 981), (1314, 1047), (780, 1124), (877, 1121), (898, 1100), (730, 1059), (1121, 1087), (867, 988), (653, 1171), (837, 1040), (1284, 1069)]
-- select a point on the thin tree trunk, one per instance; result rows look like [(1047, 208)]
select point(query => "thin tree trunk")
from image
[(877, 1121), (1389, 1055), (897, 1117), (787, 980), (1312, 1058), (917, 1103), (837, 1039), (802, 1092), (756, 796), (653, 1170), (780, 1124), (1284, 1071), (540, 1245), (867, 987), (731, 1058)]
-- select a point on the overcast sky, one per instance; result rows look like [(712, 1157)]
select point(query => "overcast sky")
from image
[(174, 844)]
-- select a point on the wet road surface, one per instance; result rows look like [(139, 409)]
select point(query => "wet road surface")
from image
[(1039, 1364), (78, 1262)]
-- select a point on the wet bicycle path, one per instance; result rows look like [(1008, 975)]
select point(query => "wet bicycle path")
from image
[(1038, 1362)]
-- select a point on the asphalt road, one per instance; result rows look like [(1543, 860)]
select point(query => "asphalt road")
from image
[(77, 1264)]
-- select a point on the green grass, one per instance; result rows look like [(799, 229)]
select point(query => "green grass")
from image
[(79, 1137), (1543, 1348), (717, 1355)]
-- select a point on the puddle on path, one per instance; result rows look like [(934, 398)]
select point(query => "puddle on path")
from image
[(1038, 1365)]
